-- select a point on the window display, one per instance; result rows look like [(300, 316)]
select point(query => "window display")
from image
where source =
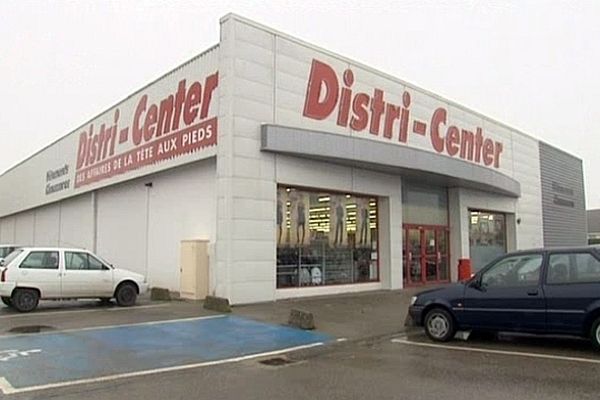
[(487, 237), (325, 238)]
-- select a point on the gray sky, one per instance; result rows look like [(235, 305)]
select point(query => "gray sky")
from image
[(533, 65)]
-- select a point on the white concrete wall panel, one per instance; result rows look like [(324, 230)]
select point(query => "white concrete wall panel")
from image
[(245, 248), (47, 223), (474, 199), (301, 172), (68, 223), (530, 232), (7, 230), (121, 225), (140, 227), (25, 228), (182, 204), (77, 222)]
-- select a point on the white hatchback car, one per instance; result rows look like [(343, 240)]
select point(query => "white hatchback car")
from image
[(33, 273), (5, 250)]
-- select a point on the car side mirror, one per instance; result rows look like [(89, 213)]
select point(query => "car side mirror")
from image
[(1, 262), (476, 283)]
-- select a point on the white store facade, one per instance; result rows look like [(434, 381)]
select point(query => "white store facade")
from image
[(307, 173)]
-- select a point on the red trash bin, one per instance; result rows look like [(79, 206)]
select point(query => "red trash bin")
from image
[(464, 269)]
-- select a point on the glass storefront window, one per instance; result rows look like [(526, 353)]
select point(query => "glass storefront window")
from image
[(325, 238), (487, 237)]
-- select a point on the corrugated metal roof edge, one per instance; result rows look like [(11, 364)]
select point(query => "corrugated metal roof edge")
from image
[(561, 151), (111, 107)]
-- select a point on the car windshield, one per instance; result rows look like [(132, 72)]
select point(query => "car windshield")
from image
[(4, 251), (12, 256)]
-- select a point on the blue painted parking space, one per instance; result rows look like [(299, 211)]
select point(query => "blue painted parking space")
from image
[(44, 359)]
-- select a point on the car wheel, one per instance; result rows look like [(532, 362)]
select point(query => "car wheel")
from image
[(126, 295), (595, 334), (439, 325), (6, 301), (25, 300)]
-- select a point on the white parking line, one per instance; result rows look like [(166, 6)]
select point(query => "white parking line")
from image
[(7, 388), (501, 352), (43, 313), (91, 328)]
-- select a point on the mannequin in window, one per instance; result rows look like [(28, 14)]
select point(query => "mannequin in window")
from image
[(339, 224), (364, 225), (279, 221), (301, 225)]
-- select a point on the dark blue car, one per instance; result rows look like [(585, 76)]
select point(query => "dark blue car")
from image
[(545, 291)]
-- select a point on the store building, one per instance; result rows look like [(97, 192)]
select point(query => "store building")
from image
[(307, 172)]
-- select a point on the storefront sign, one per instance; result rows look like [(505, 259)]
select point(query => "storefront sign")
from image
[(563, 195), (328, 94), (158, 129), (169, 123), (58, 180)]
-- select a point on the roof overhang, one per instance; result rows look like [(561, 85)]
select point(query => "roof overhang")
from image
[(380, 156)]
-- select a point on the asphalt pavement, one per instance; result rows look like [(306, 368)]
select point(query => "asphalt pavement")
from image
[(365, 370), (370, 364)]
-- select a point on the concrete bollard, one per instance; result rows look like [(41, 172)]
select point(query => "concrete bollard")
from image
[(301, 319), (160, 294), (218, 304)]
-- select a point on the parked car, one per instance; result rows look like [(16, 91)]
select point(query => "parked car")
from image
[(545, 291), (33, 273), (5, 250)]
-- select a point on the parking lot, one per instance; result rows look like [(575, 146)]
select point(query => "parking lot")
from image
[(175, 350), (67, 344), (399, 366)]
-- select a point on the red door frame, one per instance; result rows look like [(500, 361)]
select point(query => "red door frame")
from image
[(423, 256)]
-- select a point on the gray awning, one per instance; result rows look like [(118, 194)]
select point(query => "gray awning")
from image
[(384, 157)]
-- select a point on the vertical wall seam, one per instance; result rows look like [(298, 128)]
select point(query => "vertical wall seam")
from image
[(275, 119), (34, 223), (59, 222), (147, 236), (95, 221)]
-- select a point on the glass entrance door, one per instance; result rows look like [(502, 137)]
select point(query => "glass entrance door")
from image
[(413, 270), (426, 254)]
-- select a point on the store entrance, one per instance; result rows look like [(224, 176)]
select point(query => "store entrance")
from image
[(425, 254)]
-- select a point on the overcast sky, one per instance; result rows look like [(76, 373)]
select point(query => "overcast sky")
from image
[(533, 65)]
